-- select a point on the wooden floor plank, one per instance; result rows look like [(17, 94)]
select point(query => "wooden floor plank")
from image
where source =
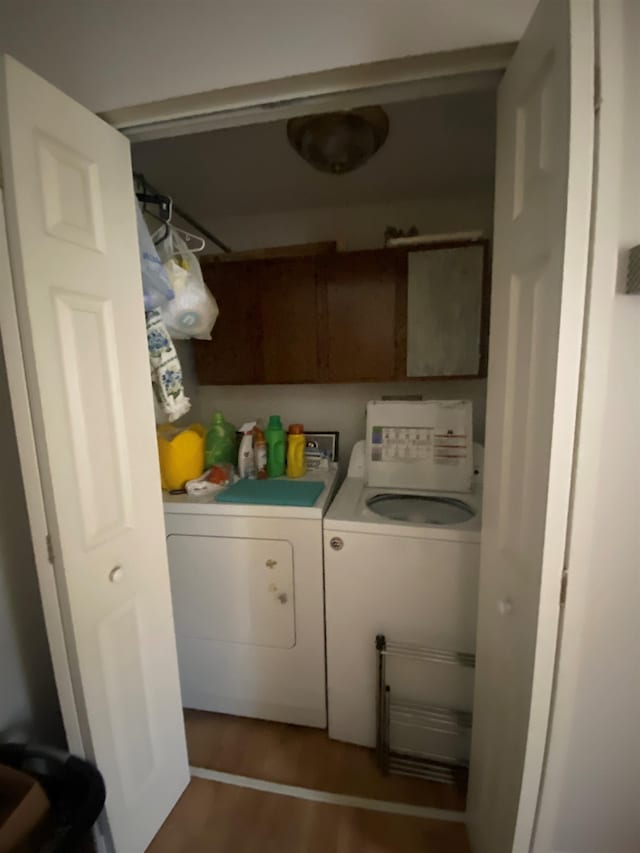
[(211, 817), (308, 758)]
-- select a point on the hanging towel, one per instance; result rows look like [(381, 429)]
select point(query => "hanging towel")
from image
[(166, 373)]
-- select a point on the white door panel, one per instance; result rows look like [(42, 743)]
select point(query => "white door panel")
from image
[(76, 277), (543, 191)]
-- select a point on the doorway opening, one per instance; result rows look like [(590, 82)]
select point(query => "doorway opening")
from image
[(313, 323)]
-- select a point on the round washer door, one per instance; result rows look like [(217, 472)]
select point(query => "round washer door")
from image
[(420, 509)]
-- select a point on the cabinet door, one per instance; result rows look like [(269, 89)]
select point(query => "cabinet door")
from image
[(365, 317), (233, 356), (444, 311), (289, 302)]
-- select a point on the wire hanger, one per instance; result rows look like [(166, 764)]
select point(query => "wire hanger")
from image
[(148, 195), (164, 214), (190, 239)]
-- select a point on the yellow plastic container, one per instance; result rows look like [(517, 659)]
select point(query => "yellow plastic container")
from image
[(181, 452), (296, 466)]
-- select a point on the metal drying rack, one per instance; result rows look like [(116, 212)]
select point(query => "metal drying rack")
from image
[(432, 718)]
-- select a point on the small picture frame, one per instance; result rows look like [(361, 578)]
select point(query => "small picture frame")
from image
[(325, 443)]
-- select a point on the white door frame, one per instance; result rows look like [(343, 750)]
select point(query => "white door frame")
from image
[(389, 81)]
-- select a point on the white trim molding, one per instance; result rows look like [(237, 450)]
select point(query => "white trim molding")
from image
[(327, 796), (342, 88)]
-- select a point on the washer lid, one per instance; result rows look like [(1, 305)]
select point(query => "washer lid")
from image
[(420, 509)]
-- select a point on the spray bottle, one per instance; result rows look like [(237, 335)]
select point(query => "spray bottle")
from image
[(246, 461)]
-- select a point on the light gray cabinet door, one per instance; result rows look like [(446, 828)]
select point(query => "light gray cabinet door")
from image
[(444, 311)]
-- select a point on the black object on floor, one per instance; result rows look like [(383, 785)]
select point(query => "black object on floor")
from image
[(75, 789)]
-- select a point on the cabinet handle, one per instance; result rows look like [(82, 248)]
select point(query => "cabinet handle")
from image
[(271, 564), (336, 543)]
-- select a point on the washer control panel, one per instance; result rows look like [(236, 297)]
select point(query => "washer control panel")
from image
[(425, 445)]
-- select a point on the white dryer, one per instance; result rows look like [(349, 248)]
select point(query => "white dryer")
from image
[(402, 551), (247, 589)]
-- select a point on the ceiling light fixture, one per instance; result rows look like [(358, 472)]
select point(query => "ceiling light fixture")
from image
[(339, 142)]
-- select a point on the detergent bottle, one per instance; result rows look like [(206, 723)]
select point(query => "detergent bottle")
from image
[(181, 453), (276, 447), (220, 443), (296, 466)]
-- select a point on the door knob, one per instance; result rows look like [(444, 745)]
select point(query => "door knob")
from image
[(505, 606), (116, 574)]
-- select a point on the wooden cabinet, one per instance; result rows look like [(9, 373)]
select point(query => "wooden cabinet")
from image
[(268, 330), (233, 356), (289, 305), (365, 321), (371, 316)]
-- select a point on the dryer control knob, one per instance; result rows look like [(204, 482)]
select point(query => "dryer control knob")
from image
[(336, 543)]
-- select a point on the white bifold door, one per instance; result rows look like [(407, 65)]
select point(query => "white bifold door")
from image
[(75, 276), (541, 240)]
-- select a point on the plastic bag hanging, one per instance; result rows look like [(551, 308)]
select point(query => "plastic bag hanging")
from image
[(155, 280), (193, 311)]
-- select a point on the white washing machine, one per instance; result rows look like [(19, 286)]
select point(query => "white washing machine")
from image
[(247, 590), (402, 552)]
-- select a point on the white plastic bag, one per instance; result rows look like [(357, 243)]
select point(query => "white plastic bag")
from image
[(193, 311), (155, 280)]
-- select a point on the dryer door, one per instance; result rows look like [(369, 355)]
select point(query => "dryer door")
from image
[(233, 590)]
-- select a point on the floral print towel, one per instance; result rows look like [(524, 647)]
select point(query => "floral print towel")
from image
[(166, 373)]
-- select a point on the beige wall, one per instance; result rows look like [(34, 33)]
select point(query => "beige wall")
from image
[(331, 407), (109, 55), (28, 698), (357, 226)]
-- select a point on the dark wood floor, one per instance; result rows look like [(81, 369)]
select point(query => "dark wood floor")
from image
[(295, 755), (211, 817)]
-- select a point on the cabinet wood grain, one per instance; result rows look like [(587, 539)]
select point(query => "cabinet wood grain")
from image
[(364, 292), (233, 356), (340, 317), (290, 329)]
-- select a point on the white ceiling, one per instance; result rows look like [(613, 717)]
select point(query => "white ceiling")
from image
[(437, 147), (116, 53)]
